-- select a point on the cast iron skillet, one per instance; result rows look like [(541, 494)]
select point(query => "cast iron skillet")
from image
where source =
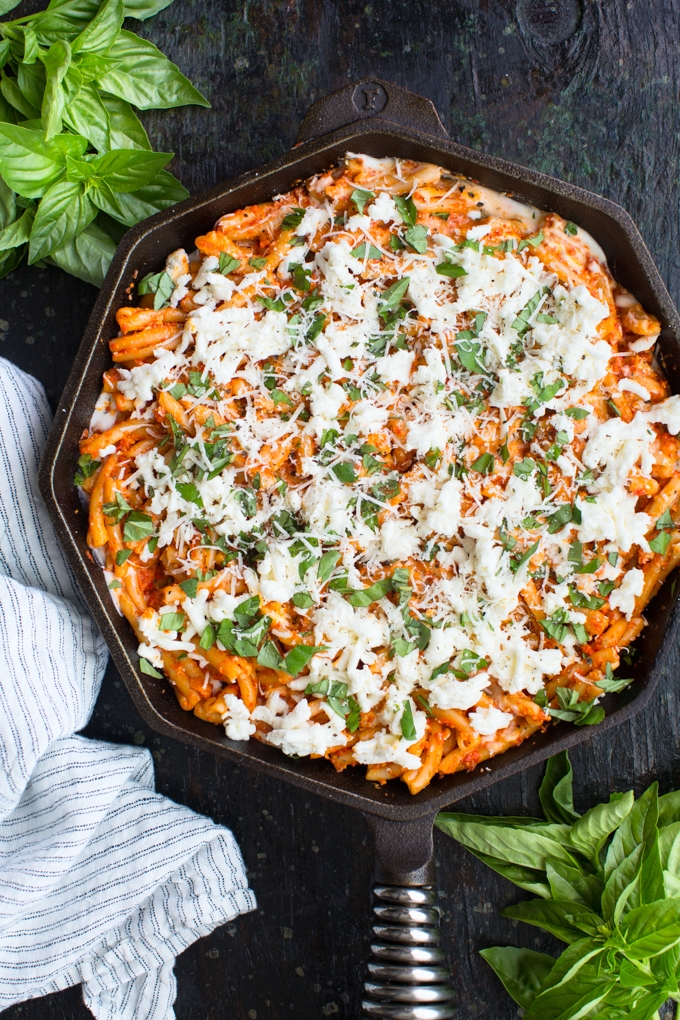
[(407, 980)]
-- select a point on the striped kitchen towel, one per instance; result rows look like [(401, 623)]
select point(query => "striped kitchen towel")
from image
[(102, 881)]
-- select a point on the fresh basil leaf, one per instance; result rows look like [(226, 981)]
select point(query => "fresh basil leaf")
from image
[(622, 889), (17, 233), (137, 527), (639, 826), (407, 210), (29, 164), (245, 611), (57, 61), (568, 883), (589, 834), (87, 256), (298, 657), (528, 879), (564, 919), (555, 792), (669, 808), (163, 191), (575, 986), (15, 97), (64, 212), (125, 127), (85, 114), (31, 79), (102, 31), (143, 9), (140, 74), (129, 169), (649, 930), (65, 19), (522, 971), (150, 670), (514, 846)]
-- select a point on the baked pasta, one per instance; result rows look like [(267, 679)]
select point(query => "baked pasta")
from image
[(384, 471)]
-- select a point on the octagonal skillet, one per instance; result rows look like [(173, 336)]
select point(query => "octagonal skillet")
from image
[(407, 979)]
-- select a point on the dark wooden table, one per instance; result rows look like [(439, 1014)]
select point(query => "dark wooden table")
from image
[(599, 108)]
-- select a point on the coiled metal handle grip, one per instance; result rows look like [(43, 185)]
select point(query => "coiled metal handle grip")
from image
[(407, 976)]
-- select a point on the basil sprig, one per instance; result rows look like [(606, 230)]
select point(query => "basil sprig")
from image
[(606, 882), (76, 166)]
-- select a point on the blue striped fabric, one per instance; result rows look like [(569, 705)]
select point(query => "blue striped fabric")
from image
[(102, 881)]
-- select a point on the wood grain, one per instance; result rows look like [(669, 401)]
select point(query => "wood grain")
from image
[(599, 109)]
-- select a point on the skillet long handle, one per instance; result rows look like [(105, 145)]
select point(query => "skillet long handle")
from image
[(407, 974), (368, 98)]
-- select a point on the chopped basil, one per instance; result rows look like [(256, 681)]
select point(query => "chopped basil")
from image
[(442, 215), (613, 558), (523, 468), (190, 587), (117, 509), (407, 210), (269, 656), (344, 472), (292, 219), (86, 468), (556, 626), (449, 269), (366, 596), (360, 196), (483, 464), (417, 238), (303, 600), (533, 241), (365, 250), (521, 323), (327, 564), (665, 521), (147, 668), (660, 543), (317, 325), (161, 285), (114, 584), (614, 408), (171, 621), (190, 493), (228, 264), (470, 353), (257, 263), (517, 562), (208, 638), (391, 297), (579, 413), (248, 501), (298, 657), (137, 527), (122, 555), (408, 726), (581, 633), (570, 228)]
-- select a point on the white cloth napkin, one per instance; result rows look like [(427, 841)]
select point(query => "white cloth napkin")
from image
[(102, 880)]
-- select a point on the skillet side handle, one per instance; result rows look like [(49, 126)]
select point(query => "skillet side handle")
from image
[(368, 98), (407, 973)]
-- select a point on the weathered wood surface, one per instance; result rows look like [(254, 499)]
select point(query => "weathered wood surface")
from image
[(601, 110)]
